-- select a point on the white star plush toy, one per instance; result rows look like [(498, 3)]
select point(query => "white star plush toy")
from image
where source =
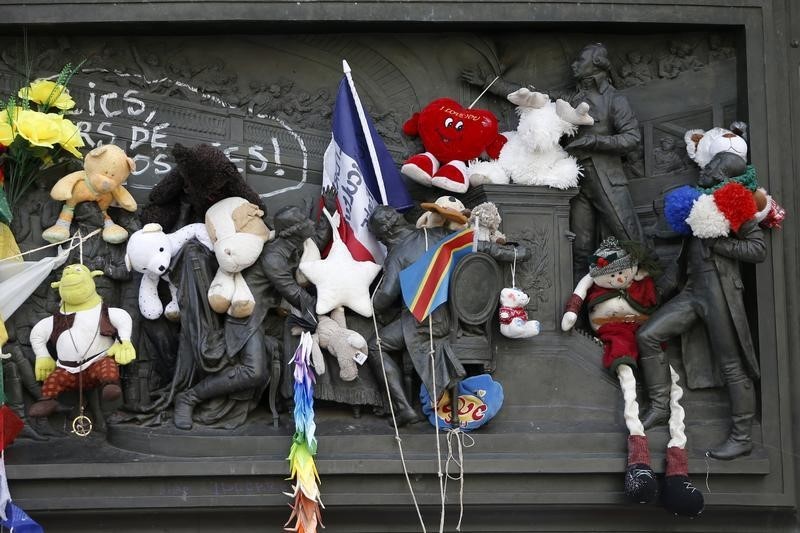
[(340, 279)]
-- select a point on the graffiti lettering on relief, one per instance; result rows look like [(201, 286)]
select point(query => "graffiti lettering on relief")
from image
[(127, 117)]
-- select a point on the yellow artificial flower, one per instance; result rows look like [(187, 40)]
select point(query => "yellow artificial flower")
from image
[(9, 115), (48, 93), (6, 134), (71, 138), (39, 129)]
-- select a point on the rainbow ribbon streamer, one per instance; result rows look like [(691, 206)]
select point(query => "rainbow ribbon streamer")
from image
[(306, 513)]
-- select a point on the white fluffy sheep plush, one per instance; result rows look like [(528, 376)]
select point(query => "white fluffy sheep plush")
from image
[(533, 155)]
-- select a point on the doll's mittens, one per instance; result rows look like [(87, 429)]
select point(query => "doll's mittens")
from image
[(123, 352), (680, 497), (115, 234), (640, 483), (568, 321), (452, 177), (43, 367), (421, 168)]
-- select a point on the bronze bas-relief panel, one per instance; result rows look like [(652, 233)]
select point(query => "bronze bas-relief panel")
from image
[(267, 101)]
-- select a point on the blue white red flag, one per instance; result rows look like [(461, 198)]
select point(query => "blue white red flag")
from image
[(361, 169), (424, 284)]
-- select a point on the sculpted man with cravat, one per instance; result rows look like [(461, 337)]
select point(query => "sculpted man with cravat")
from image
[(603, 206), (604, 202)]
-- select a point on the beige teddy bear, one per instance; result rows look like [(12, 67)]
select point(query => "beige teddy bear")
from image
[(105, 169), (342, 343), (238, 234)]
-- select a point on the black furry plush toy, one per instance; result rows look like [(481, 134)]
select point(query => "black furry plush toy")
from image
[(202, 176)]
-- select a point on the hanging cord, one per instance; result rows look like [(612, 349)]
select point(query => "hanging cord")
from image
[(514, 270), (463, 440), (435, 397), (70, 240), (391, 408)]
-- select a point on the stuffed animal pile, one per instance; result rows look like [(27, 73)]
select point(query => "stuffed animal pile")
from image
[(532, 155)]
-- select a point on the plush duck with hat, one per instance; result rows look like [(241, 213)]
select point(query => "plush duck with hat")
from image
[(90, 340), (620, 295)]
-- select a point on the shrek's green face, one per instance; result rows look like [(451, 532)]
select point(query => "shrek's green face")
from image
[(76, 285)]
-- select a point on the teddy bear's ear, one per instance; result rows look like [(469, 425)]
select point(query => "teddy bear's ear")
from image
[(152, 227), (128, 264), (131, 164)]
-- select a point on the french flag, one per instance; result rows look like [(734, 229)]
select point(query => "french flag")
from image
[(359, 166)]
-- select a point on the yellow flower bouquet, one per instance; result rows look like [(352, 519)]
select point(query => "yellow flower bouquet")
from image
[(35, 135)]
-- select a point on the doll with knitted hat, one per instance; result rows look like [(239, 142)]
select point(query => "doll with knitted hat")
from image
[(620, 295)]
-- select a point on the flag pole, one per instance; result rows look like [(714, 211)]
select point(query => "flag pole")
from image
[(367, 135)]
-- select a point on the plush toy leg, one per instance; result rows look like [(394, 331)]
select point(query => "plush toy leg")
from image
[(172, 312), (640, 481), (113, 233), (483, 172), (421, 168), (149, 303), (60, 230), (452, 177), (679, 496), (242, 300), (220, 292)]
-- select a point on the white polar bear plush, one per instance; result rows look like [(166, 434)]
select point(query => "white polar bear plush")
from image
[(533, 155), (150, 252), (514, 322), (238, 233)]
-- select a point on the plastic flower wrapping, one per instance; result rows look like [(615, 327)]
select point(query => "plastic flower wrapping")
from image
[(35, 135)]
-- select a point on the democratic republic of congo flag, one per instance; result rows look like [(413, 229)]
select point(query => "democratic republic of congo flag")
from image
[(424, 283)]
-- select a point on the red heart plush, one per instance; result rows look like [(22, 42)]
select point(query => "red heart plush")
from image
[(451, 132)]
